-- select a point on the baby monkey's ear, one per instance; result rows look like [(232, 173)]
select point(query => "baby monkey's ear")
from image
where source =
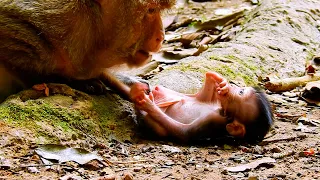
[(236, 129)]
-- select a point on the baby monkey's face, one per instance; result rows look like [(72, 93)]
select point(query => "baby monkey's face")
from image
[(240, 103)]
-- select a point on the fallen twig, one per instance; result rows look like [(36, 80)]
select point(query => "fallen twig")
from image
[(166, 176), (288, 84), (42, 165), (265, 142), (130, 162), (122, 169)]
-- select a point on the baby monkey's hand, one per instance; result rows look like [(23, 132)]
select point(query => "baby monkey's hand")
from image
[(139, 97)]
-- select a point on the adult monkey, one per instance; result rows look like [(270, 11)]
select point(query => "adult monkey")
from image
[(75, 39)]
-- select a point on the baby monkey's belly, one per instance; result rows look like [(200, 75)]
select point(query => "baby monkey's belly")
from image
[(186, 112)]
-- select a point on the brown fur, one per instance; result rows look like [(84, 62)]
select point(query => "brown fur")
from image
[(76, 39)]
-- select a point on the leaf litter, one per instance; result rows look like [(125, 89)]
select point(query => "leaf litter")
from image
[(64, 154)]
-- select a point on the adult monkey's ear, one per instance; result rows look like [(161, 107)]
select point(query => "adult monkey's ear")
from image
[(236, 129)]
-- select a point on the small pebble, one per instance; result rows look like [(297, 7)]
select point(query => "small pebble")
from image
[(127, 176)]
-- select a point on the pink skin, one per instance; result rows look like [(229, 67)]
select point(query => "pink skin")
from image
[(181, 115)]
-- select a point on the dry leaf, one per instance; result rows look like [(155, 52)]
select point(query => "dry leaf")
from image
[(46, 91), (309, 152), (181, 3), (39, 87), (222, 11), (186, 39), (64, 154), (311, 93), (305, 128), (217, 23), (164, 57), (168, 20), (252, 165), (310, 69)]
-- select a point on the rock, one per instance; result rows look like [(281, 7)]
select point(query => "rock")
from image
[(106, 171), (107, 177), (170, 149), (137, 169), (5, 164), (253, 178), (254, 2), (210, 160), (33, 170), (290, 94), (193, 149), (169, 163), (70, 177), (147, 149), (276, 150), (93, 165), (258, 150), (127, 176), (206, 169), (277, 99)]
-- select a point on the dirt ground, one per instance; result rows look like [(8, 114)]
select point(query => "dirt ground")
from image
[(290, 151)]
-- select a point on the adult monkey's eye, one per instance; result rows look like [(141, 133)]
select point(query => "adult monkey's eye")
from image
[(241, 92), (151, 10)]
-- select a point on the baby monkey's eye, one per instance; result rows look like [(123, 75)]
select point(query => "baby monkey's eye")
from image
[(241, 92)]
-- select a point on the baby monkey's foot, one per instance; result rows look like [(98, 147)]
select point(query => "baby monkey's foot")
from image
[(222, 85)]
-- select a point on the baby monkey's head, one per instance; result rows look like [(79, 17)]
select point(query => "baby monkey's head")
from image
[(259, 127), (249, 113)]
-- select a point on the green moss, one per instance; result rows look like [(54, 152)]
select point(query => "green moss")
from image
[(193, 24), (106, 115), (310, 55), (233, 73), (228, 72), (34, 114), (64, 125), (245, 62), (251, 30), (189, 68), (220, 45), (230, 66), (262, 58), (299, 41), (214, 58), (285, 12), (237, 51)]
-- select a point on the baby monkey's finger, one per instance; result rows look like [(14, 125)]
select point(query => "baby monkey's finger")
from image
[(151, 97), (224, 90), (223, 83)]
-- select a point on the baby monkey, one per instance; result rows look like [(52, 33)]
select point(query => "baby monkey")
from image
[(219, 108)]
